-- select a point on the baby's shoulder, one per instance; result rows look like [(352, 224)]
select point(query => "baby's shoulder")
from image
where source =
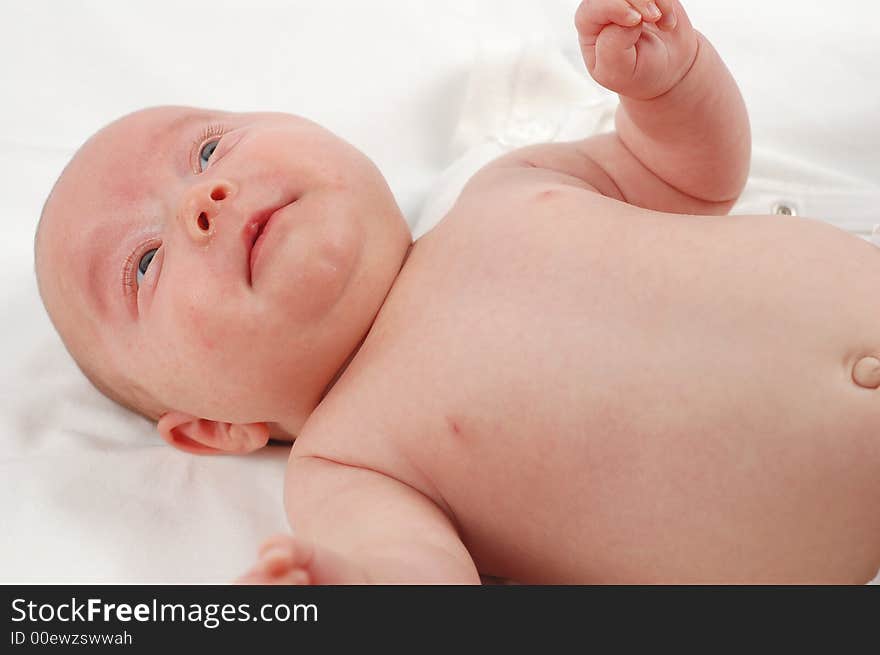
[(528, 189), (371, 417), (562, 165), (515, 197)]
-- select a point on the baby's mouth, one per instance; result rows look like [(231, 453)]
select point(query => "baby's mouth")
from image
[(259, 232), (254, 232)]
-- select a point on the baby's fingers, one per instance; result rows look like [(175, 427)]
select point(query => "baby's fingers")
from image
[(668, 19), (614, 59), (660, 12), (593, 16)]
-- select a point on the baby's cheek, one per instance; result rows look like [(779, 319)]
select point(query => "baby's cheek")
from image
[(200, 327), (318, 274), (315, 290), (219, 332), (201, 350), (193, 328)]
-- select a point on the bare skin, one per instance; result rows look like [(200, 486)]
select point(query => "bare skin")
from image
[(587, 373)]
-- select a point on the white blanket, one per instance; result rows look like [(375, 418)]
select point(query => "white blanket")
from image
[(88, 492)]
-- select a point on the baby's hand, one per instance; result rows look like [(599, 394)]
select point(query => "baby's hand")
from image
[(283, 560), (288, 560), (638, 49)]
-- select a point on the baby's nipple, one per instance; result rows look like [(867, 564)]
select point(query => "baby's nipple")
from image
[(866, 372)]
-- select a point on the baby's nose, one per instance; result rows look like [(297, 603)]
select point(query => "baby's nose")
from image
[(201, 205)]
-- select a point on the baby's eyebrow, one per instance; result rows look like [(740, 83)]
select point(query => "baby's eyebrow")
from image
[(190, 117)]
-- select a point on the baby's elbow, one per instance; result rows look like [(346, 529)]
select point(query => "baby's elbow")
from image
[(738, 174), (722, 181), (728, 191)]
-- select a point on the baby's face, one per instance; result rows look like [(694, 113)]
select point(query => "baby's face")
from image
[(147, 269)]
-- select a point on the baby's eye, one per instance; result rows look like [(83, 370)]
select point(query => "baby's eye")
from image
[(206, 152), (144, 264)]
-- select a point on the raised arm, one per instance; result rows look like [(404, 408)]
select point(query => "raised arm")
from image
[(682, 142), (357, 526)]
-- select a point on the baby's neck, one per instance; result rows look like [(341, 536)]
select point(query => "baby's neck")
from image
[(285, 432), (357, 348)]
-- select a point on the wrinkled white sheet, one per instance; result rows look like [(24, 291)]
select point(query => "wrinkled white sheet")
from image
[(88, 492)]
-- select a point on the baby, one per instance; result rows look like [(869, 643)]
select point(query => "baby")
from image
[(585, 373)]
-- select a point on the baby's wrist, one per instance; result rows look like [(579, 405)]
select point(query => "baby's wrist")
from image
[(704, 75)]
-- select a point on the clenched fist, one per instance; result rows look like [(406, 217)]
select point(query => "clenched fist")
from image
[(636, 48)]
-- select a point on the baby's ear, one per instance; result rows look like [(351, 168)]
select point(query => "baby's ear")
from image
[(206, 437)]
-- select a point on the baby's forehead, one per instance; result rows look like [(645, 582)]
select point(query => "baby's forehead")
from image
[(129, 147), (118, 166)]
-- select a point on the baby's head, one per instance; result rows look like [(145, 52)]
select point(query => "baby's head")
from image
[(143, 257)]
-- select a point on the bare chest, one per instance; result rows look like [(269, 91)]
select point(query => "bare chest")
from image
[(559, 365)]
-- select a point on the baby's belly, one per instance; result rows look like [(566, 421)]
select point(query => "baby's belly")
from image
[(637, 397)]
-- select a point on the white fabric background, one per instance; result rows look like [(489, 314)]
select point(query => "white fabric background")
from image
[(88, 493)]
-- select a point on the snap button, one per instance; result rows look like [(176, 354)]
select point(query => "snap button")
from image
[(784, 208)]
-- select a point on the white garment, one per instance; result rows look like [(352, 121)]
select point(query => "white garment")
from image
[(518, 93)]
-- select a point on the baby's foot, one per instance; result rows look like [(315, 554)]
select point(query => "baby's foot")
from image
[(283, 560)]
